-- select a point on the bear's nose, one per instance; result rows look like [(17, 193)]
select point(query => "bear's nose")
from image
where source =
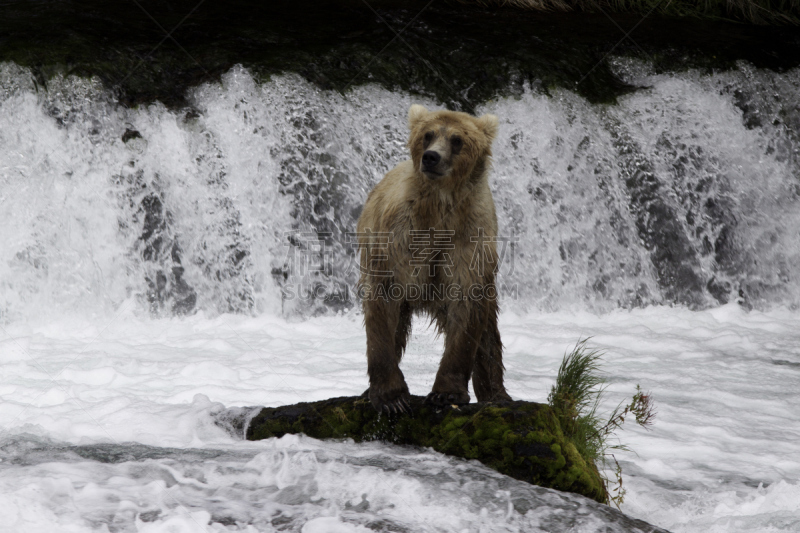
[(430, 159)]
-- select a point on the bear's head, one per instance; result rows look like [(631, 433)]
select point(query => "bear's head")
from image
[(448, 147)]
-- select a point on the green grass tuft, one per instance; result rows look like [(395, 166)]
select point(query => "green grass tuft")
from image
[(575, 399), (576, 396)]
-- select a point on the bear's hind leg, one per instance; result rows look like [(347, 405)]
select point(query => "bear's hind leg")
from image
[(465, 320), (487, 374), (403, 330), (387, 386)]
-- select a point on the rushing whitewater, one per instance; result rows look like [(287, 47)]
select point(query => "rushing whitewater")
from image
[(158, 266), (685, 192)]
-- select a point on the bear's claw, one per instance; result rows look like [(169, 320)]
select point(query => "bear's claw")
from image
[(400, 405), (390, 403), (441, 399)]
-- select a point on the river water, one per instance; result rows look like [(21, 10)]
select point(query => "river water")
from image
[(160, 265)]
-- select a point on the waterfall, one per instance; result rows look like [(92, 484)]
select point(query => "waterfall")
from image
[(684, 192)]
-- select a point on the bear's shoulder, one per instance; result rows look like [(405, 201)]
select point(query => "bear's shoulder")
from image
[(396, 185), (388, 201)]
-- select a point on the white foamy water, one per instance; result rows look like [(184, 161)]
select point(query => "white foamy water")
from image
[(116, 219), (112, 425)]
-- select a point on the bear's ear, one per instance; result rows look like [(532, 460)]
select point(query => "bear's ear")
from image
[(415, 114), (488, 124)]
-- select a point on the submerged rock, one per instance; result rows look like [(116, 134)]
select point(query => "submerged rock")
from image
[(462, 54)]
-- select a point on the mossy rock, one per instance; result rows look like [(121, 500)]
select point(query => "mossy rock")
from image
[(520, 439)]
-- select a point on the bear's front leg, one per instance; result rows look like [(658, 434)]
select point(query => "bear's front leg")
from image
[(387, 387), (464, 324)]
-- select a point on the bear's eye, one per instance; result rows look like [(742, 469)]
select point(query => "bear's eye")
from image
[(457, 143), (428, 137)]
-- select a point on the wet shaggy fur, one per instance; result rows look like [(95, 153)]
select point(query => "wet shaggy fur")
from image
[(431, 222)]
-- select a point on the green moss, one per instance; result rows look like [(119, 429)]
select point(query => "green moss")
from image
[(519, 439)]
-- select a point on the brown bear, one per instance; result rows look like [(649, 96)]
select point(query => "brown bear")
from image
[(427, 241)]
